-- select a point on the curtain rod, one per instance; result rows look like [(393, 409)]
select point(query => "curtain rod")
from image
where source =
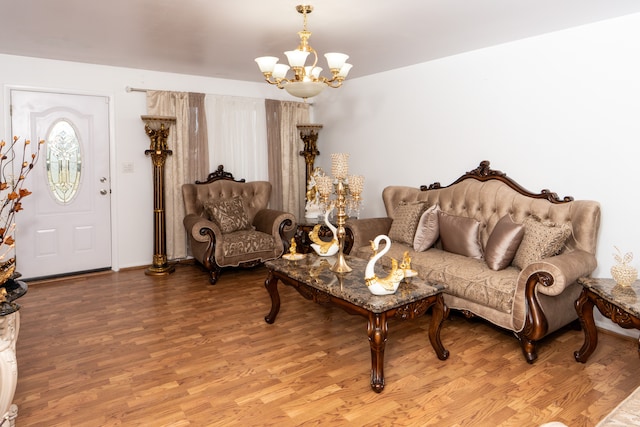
[(135, 89)]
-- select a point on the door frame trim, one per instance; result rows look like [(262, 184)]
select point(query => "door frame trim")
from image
[(115, 264)]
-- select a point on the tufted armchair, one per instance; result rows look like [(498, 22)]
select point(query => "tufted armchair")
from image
[(228, 223)]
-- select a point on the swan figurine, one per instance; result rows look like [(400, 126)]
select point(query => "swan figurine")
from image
[(387, 285), (321, 247)]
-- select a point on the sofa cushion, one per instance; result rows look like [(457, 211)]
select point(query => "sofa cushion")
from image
[(503, 243), (247, 242), (229, 214), (542, 239), (428, 229), (405, 221), (460, 235), (464, 277)]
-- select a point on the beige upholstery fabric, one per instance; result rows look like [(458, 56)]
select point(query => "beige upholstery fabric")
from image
[(428, 229), (541, 240), (460, 235), (405, 221), (503, 243)]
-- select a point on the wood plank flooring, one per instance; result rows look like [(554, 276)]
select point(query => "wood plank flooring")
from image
[(125, 349)]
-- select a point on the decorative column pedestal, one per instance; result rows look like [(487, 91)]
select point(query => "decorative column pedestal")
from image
[(157, 128), (309, 135)]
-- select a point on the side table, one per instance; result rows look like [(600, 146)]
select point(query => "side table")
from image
[(9, 328), (621, 304)]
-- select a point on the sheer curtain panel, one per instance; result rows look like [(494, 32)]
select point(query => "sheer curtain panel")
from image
[(238, 136)]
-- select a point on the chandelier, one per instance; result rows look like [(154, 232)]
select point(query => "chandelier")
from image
[(307, 81)]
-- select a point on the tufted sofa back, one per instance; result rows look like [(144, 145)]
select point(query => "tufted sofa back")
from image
[(487, 200), (255, 195)]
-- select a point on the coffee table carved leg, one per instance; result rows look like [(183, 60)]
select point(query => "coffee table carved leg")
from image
[(271, 283), (439, 312), (377, 332), (584, 307)]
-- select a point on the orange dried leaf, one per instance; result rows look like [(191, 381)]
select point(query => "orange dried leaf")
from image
[(12, 196), (9, 241), (24, 192)]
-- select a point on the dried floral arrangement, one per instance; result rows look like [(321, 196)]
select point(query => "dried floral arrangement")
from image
[(12, 191)]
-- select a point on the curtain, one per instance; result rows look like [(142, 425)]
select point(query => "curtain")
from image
[(185, 162), (198, 159), (286, 165), (238, 136), (275, 152)]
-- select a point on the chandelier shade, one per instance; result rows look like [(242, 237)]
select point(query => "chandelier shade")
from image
[(306, 81)]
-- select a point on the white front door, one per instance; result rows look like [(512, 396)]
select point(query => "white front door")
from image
[(65, 226)]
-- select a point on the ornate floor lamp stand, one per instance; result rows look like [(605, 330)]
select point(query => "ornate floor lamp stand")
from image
[(157, 128), (309, 136)]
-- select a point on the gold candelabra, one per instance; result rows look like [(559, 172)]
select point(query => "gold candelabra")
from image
[(347, 189)]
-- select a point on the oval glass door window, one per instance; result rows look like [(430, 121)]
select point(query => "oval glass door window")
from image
[(64, 162)]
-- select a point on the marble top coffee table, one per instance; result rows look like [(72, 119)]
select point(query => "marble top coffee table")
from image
[(621, 304), (313, 279)]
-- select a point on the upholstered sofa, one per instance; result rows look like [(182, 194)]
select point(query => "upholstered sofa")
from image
[(504, 254), (228, 223)]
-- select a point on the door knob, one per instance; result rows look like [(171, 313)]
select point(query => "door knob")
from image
[(103, 192)]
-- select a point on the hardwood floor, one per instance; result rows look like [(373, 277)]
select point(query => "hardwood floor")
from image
[(128, 349)]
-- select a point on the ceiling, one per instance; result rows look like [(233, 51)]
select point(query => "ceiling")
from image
[(220, 38)]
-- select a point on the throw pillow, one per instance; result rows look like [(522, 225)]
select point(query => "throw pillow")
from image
[(405, 221), (460, 235), (428, 230), (503, 243), (229, 214), (541, 240)]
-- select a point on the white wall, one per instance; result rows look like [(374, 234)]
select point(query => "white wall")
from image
[(132, 193), (560, 111)]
